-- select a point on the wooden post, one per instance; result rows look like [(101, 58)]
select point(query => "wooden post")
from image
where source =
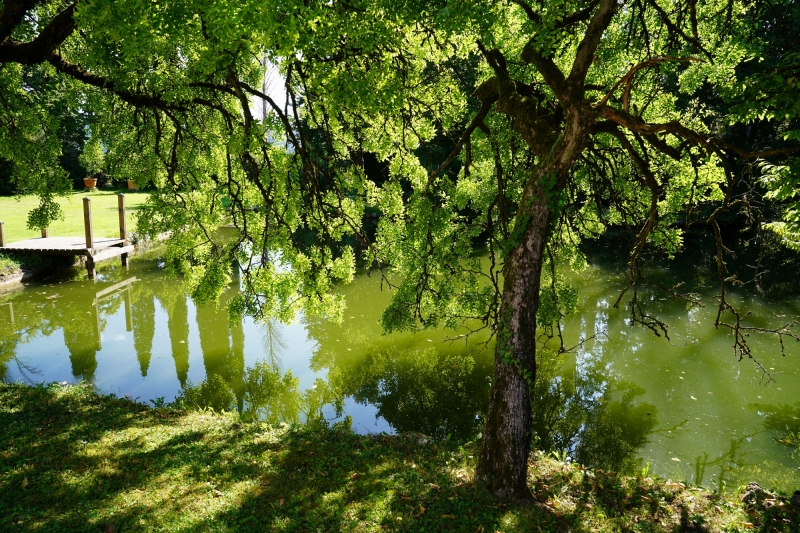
[(90, 267), (10, 311), (45, 233), (128, 310), (97, 314), (2, 235), (123, 229), (87, 224)]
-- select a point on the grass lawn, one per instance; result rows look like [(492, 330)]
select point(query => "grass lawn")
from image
[(72, 460), (14, 213)]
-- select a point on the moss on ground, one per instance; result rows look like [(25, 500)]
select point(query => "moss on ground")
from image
[(73, 460)]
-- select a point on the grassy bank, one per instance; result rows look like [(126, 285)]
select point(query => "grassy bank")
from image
[(105, 222), (71, 460), (9, 266), (14, 213)]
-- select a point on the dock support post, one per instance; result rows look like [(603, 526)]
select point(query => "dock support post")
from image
[(123, 230), (87, 224), (2, 235), (128, 309), (10, 311), (45, 233)]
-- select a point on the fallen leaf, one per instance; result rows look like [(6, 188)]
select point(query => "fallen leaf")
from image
[(354, 475), (217, 493), (586, 505), (421, 509), (693, 398), (748, 525), (321, 473), (676, 459), (449, 516), (434, 486), (406, 498)]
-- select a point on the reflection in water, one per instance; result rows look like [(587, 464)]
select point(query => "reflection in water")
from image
[(595, 421), (623, 399), (222, 343), (178, 323), (144, 324), (433, 391), (268, 395)]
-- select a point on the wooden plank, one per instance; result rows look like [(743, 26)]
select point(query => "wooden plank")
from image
[(110, 253), (87, 222), (76, 245), (2, 235), (109, 290)]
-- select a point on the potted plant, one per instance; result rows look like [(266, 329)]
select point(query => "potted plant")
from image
[(93, 160)]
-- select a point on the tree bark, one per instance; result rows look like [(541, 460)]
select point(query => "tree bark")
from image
[(503, 462)]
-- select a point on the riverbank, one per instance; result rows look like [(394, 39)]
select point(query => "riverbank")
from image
[(71, 459)]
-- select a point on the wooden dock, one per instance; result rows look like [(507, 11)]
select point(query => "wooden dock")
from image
[(95, 249)]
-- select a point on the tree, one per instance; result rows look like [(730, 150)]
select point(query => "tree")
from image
[(564, 119)]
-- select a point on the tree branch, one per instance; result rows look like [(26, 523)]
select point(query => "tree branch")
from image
[(627, 79), (39, 49), (588, 46)]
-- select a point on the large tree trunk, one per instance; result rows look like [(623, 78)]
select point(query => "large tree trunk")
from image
[(503, 463)]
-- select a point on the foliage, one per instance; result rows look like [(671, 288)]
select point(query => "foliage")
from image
[(564, 120), (92, 157)]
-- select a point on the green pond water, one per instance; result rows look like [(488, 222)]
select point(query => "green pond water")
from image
[(624, 398)]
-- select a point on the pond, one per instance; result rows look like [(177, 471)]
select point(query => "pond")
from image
[(623, 399)]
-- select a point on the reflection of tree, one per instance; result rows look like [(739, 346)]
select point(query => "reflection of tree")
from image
[(266, 394), (222, 343), (82, 319), (782, 418), (727, 461), (436, 391), (590, 416), (274, 343), (178, 324), (144, 323), (15, 330)]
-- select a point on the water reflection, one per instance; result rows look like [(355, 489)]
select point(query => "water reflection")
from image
[(589, 415), (623, 399), (144, 324)]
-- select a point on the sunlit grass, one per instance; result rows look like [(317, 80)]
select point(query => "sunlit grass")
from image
[(71, 460), (105, 220)]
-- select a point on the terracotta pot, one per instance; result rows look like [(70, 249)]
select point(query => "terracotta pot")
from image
[(90, 183)]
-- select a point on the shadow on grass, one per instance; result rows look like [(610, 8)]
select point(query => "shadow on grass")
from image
[(73, 461)]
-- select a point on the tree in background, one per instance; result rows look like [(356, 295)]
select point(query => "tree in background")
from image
[(564, 118)]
